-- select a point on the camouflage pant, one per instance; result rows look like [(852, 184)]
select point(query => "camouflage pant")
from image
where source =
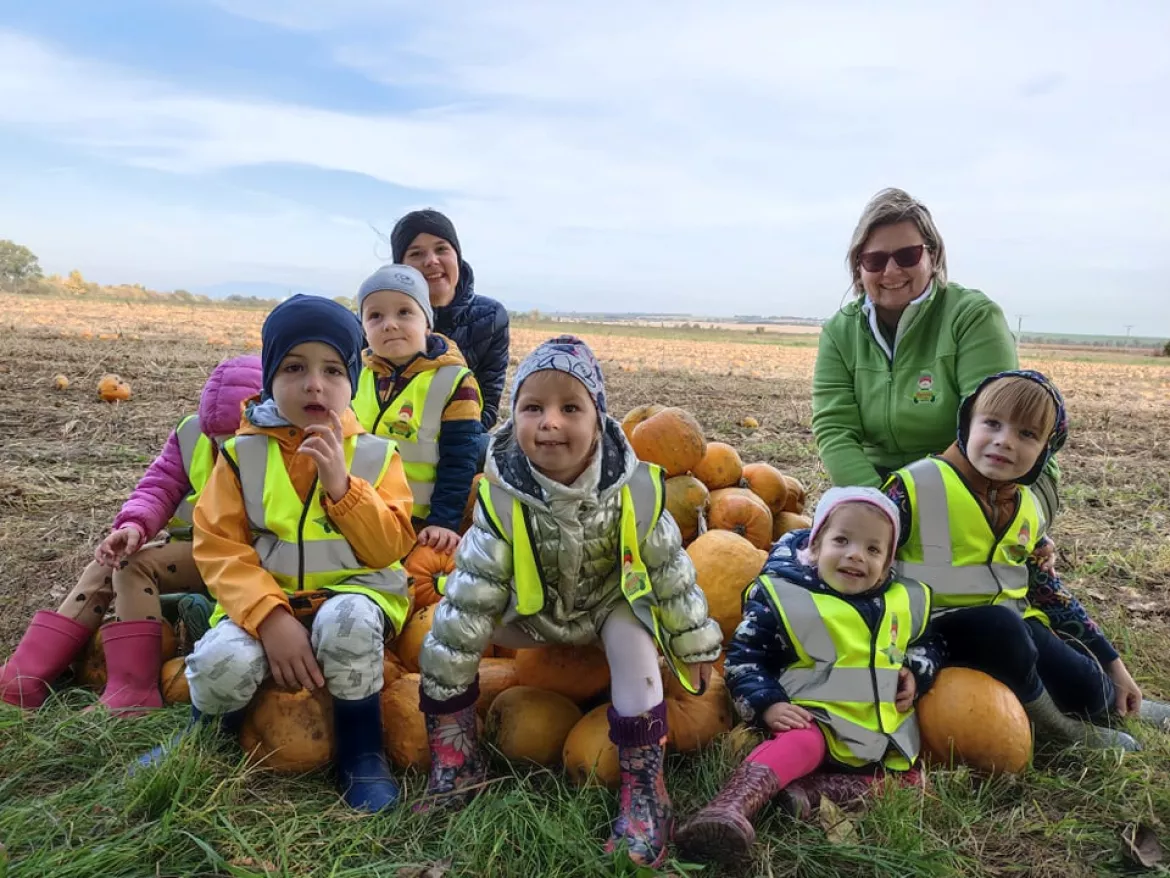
[(228, 664)]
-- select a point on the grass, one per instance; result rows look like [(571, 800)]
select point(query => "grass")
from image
[(67, 807)]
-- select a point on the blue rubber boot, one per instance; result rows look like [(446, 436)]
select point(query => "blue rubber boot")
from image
[(363, 774), (229, 726)]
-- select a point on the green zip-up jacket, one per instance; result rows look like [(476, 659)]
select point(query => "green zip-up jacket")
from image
[(871, 410)]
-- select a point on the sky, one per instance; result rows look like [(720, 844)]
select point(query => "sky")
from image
[(643, 155)]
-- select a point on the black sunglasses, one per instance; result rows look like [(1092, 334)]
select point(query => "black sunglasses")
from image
[(905, 257)]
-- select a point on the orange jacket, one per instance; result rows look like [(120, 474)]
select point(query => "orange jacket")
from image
[(375, 522)]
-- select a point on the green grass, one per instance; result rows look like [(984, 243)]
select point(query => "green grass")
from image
[(68, 809)]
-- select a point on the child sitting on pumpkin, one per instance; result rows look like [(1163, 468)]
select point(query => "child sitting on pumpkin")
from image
[(822, 662)]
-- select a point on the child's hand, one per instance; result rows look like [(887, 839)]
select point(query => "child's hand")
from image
[(439, 538), (323, 444), (907, 689), (290, 652), (1129, 694), (1044, 556), (784, 716), (118, 545)]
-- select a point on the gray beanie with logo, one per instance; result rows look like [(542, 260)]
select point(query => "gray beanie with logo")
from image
[(398, 279)]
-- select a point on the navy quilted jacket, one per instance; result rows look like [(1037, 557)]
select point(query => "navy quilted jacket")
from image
[(479, 326), (760, 650)]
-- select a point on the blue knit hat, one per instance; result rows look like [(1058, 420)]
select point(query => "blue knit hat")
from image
[(310, 318)]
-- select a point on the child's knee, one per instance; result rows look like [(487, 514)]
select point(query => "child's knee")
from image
[(225, 669), (348, 635)]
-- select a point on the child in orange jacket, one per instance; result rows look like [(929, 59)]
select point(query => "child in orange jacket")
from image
[(299, 536)]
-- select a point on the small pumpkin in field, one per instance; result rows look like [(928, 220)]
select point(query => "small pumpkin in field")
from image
[(720, 467), (112, 388), (972, 718), (496, 675), (577, 672), (671, 438), (725, 564), (637, 415), (686, 500), (767, 483), (173, 681), (797, 495), (60, 382), (289, 731), (694, 721), (789, 521), (424, 565), (589, 756), (90, 668), (529, 724), (742, 512)]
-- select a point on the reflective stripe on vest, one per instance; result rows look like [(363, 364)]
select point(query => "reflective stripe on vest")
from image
[(296, 541), (952, 548), (643, 499), (198, 460), (847, 675), (413, 420)]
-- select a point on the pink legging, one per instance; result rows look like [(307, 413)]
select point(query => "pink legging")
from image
[(792, 754)]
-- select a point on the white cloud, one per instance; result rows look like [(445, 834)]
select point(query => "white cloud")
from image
[(679, 154)]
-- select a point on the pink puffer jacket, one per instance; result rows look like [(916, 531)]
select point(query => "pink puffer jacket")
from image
[(164, 484)]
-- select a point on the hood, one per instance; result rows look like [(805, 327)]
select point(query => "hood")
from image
[(441, 351), (261, 417), (228, 385), (614, 462), (1056, 439)]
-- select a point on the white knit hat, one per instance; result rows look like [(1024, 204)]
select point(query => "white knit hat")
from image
[(835, 497)]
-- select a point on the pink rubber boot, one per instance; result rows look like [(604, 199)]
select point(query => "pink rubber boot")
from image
[(49, 644), (133, 664)]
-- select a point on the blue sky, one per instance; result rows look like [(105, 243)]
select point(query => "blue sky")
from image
[(650, 155)]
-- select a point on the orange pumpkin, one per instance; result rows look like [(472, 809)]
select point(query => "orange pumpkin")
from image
[(112, 388), (672, 438), (637, 415), (90, 668), (529, 724), (392, 667), (173, 681), (289, 731), (496, 675), (789, 521), (742, 512), (797, 495), (694, 721), (720, 467), (725, 564), (414, 632), (424, 565), (404, 731), (577, 672), (767, 483), (60, 382), (589, 756), (686, 500), (970, 717)]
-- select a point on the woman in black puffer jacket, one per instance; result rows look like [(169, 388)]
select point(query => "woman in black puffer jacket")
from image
[(426, 240)]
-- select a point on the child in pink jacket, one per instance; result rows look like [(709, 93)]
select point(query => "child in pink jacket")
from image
[(132, 572)]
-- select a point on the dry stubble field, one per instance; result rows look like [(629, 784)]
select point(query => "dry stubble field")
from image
[(67, 460)]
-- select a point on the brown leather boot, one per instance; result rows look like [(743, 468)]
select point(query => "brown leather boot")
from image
[(723, 830), (802, 797)]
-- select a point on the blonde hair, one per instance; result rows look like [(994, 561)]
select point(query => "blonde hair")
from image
[(892, 206), (1020, 400)]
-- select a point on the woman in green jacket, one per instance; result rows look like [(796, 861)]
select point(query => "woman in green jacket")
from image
[(895, 362)]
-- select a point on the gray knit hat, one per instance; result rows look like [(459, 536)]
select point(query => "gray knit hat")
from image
[(568, 354), (398, 279)]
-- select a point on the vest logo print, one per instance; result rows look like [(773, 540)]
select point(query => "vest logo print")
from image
[(1019, 552), (925, 392), (402, 426), (323, 522), (633, 581), (892, 652)]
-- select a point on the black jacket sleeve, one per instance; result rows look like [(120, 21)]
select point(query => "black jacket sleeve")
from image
[(458, 455), (757, 655), (492, 369)]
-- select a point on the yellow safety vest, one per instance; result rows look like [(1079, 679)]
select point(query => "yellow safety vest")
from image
[(847, 675), (296, 541), (413, 419), (952, 548), (198, 455), (643, 499)]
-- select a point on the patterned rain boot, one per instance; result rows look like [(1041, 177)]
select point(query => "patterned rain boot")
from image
[(458, 767), (363, 775), (802, 797), (1051, 724), (133, 662), (723, 830), (49, 644), (645, 820)]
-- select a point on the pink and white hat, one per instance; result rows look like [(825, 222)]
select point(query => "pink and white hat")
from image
[(835, 497)]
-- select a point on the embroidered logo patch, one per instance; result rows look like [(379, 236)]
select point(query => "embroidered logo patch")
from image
[(1019, 552), (892, 652), (402, 426), (925, 392)]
